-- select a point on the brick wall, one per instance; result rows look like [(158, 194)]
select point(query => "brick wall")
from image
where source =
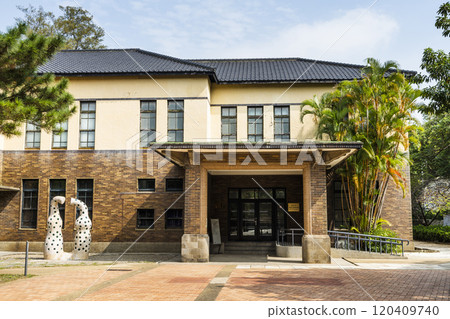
[(315, 193), (397, 208), (115, 194)]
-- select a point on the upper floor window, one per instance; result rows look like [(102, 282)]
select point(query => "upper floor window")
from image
[(229, 124), (87, 125), (33, 136), (175, 121), (146, 184), (148, 123), (174, 185), (85, 193), (281, 119), (58, 188), (30, 192), (60, 135), (255, 123)]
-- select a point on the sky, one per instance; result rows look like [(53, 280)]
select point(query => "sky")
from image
[(343, 31)]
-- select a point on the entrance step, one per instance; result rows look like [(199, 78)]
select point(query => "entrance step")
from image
[(250, 248)]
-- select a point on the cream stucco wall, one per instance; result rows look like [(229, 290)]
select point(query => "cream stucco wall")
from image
[(118, 108)]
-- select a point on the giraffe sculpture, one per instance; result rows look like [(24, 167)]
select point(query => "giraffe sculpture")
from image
[(83, 226), (53, 248)]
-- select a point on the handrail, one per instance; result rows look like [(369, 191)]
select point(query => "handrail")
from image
[(283, 234), (359, 240), (347, 240)]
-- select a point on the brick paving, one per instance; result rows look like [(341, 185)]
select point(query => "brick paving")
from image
[(335, 284), (144, 281)]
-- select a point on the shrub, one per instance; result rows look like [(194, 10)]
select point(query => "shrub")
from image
[(432, 233), (384, 232)]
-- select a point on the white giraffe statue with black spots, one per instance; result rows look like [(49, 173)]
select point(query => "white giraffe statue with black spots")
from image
[(53, 248), (83, 226)]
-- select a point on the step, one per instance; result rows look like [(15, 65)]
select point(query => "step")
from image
[(250, 248)]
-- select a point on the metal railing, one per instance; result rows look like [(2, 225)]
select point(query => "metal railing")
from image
[(290, 237), (368, 243)]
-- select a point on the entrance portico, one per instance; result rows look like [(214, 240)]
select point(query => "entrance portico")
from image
[(310, 165)]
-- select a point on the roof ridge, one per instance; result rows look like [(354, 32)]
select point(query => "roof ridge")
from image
[(174, 59), (281, 59), (168, 57)]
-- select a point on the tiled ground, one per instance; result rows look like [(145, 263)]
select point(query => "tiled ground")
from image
[(337, 284), (176, 281)]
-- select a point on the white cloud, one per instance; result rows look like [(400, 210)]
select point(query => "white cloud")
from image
[(352, 36)]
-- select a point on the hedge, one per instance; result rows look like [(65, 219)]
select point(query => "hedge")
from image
[(432, 233)]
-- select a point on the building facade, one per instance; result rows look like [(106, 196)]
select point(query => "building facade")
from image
[(159, 146)]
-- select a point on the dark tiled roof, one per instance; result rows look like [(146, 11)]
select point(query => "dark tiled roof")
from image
[(281, 70), (129, 61), (136, 61)]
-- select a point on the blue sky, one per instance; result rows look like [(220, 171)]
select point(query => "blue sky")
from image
[(343, 31)]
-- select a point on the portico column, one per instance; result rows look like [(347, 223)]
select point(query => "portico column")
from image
[(195, 240), (316, 246)]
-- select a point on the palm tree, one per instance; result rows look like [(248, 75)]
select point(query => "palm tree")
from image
[(376, 110)]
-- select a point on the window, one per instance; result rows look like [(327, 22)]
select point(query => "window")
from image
[(229, 124), (30, 191), (175, 121), (146, 184), (60, 136), (281, 118), (339, 206), (148, 123), (174, 184), (33, 136), (174, 219), (145, 218), (255, 123), (87, 125), (58, 188), (85, 193)]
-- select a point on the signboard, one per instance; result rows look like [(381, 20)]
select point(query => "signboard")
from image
[(215, 230), (293, 207)]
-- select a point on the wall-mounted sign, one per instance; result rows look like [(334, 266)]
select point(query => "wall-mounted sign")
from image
[(293, 207)]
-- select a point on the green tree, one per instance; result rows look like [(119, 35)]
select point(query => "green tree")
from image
[(26, 95), (376, 110), (75, 25), (430, 174), (436, 64)]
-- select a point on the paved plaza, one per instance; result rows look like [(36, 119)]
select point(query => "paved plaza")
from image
[(421, 277)]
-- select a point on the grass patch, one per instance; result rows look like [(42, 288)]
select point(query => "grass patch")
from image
[(9, 277)]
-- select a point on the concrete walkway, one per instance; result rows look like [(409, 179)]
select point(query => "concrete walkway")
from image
[(423, 276)]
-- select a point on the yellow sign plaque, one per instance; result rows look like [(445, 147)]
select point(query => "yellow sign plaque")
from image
[(293, 207)]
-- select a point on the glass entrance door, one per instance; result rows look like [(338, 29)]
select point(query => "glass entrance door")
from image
[(249, 220), (265, 224), (253, 215)]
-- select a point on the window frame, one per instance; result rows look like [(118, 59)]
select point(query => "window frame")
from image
[(283, 137), (22, 208), (146, 189), (151, 131), (65, 133), (62, 208), (174, 189), (35, 130), (89, 144), (167, 218), (254, 123), (175, 111), (91, 211), (226, 137), (152, 223)]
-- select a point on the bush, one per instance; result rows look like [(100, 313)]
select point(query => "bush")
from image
[(384, 232), (432, 233)]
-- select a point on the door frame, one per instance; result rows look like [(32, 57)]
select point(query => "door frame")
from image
[(256, 201)]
